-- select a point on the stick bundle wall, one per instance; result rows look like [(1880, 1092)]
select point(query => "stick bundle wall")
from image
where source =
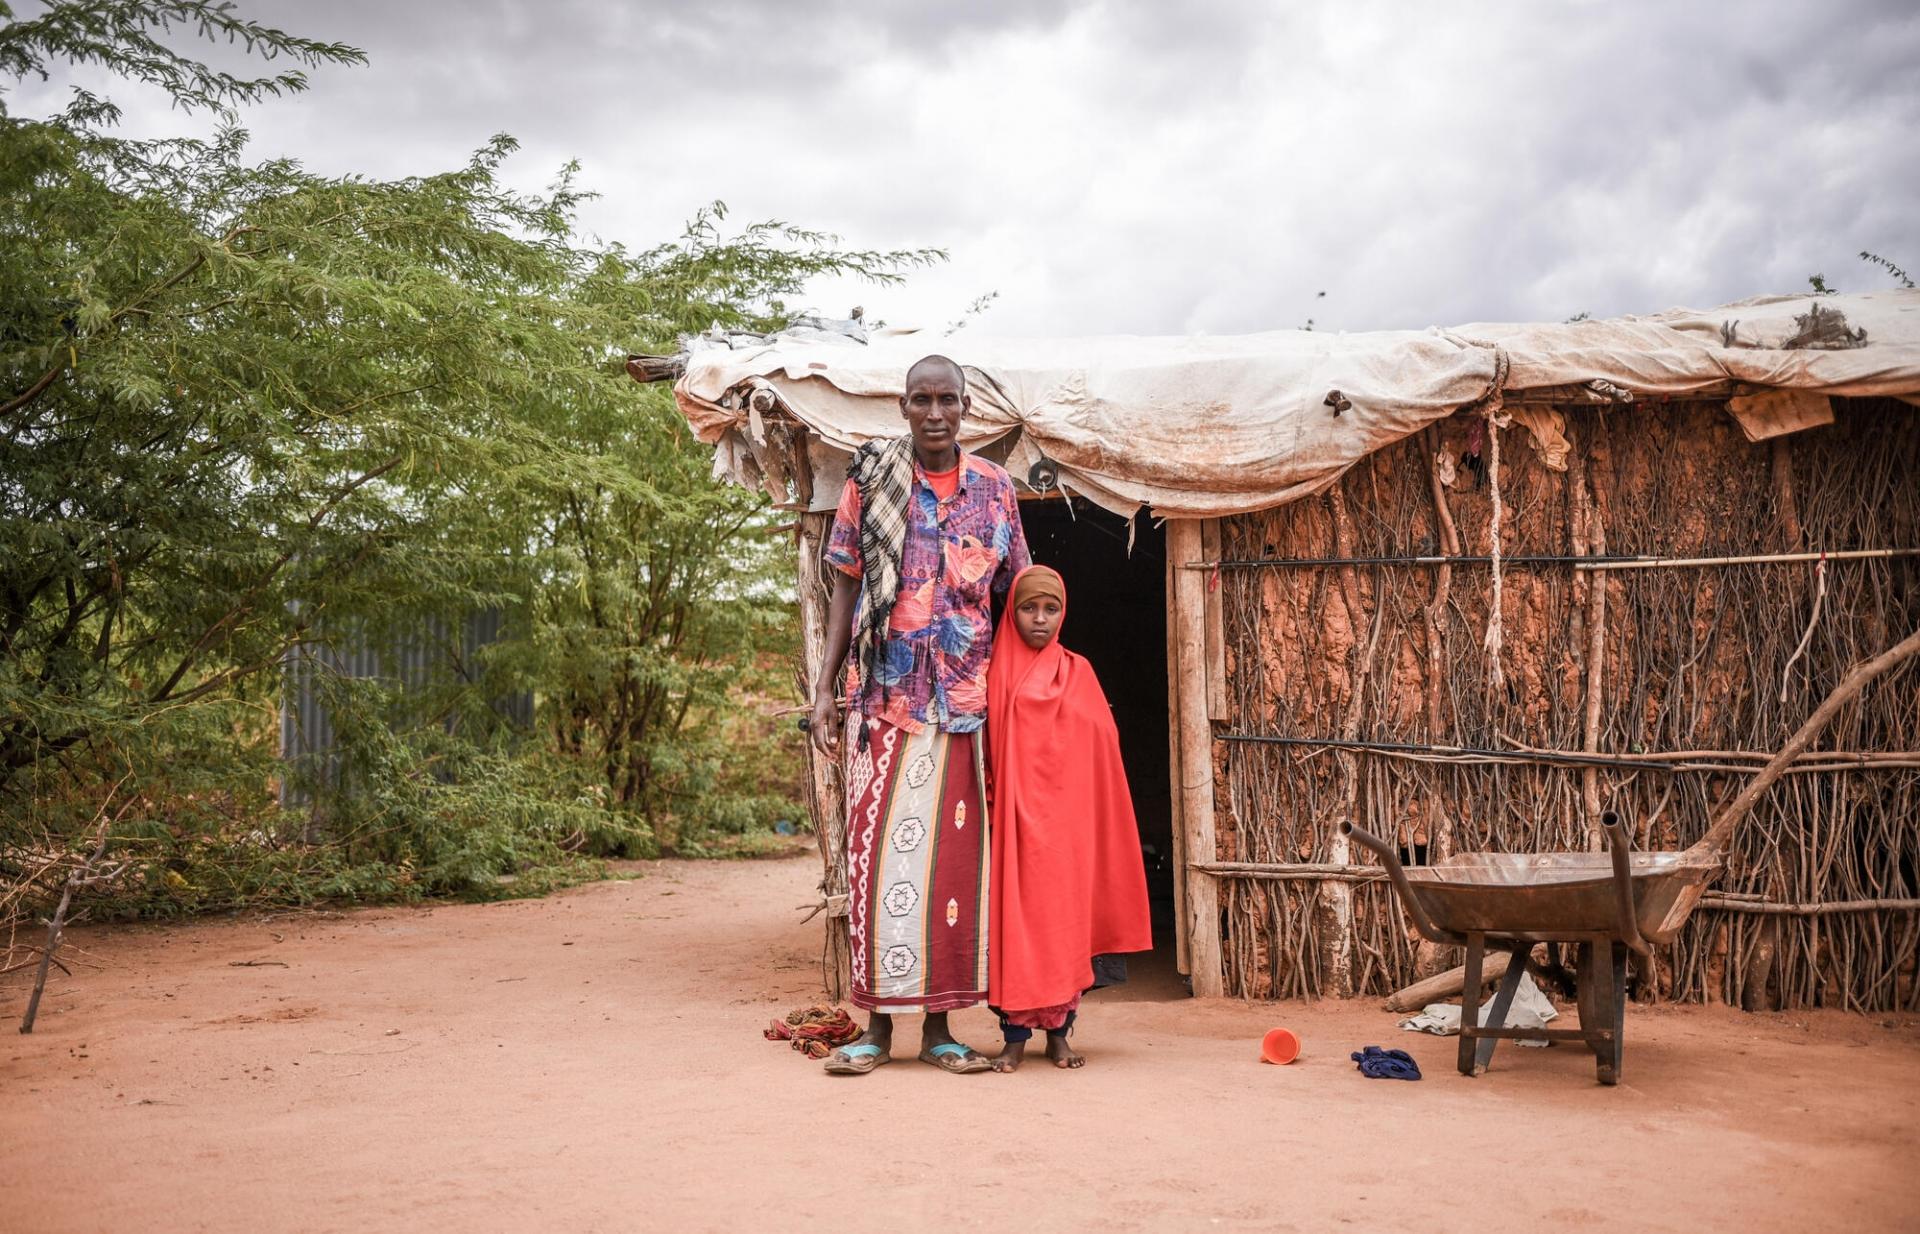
[(1699, 666)]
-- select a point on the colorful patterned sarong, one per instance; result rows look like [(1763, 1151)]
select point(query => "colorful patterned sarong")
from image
[(917, 861)]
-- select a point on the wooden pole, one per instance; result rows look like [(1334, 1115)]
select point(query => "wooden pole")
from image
[(1280, 872), (1758, 990), (1336, 896), (1786, 506), (826, 795), (1216, 629), (1713, 845), (1439, 821), (1593, 503), (1183, 958), (1194, 769), (1827, 909)]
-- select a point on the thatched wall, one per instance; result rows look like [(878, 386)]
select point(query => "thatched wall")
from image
[(1691, 667)]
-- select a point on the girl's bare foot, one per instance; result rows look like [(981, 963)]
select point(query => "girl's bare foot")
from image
[(1063, 1055), (1010, 1055)]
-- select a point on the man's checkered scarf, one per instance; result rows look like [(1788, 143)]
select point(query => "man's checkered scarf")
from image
[(883, 471)]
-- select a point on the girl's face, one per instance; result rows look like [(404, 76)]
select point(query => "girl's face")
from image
[(1038, 620)]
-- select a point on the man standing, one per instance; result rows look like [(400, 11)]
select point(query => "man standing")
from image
[(925, 536)]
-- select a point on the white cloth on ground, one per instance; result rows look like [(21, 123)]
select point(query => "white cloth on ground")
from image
[(1530, 1009)]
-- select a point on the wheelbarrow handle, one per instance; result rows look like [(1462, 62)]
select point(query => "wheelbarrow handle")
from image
[(1390, 858), (1620, 844)]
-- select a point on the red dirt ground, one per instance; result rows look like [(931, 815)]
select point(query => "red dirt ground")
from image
[(593, 1061)]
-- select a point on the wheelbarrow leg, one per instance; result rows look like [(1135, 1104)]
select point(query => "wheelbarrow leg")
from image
[(1590, 1001), (1603, 1005), (1470, 1002), (1497, 1014), (1612, 1062)]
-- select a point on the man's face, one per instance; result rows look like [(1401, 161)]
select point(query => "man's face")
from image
[(933, 405)]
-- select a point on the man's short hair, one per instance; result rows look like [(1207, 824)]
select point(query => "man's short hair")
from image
[(925, 362)]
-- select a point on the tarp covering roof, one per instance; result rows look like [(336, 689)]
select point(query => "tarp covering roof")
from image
[(1205, 426)]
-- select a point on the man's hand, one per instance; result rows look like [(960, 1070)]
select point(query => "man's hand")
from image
[(823, 725)]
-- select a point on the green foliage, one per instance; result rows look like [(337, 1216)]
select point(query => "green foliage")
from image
[(1819, 284), (121, 35), (976, 308), (242, 405), (1899, 275)]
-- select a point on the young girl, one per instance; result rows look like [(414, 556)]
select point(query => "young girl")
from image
[(1068, 883)]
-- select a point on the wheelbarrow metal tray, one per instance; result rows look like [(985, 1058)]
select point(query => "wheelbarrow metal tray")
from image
[(1546, 896), (1606, 904)]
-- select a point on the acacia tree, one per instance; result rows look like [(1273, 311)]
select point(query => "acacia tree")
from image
[(653, 603), (239, 400)]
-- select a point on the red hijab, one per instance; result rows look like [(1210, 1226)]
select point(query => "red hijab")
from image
[(1068, 882)]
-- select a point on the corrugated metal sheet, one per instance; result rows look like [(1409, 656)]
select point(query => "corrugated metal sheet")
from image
[(419, 665)]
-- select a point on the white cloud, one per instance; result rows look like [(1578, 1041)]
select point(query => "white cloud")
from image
[(1158, 168)]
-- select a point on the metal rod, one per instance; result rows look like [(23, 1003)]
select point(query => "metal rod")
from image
[(1643, 563), (1416, 910), (1620, 848), (1428, 560), (1603, 562)]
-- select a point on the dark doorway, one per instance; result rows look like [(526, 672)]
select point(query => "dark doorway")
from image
[(1117, 619)]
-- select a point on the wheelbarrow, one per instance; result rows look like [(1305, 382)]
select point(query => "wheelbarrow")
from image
[(1604, 904)]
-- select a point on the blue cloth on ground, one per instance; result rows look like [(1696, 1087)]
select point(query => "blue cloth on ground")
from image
[(1378, 1064)]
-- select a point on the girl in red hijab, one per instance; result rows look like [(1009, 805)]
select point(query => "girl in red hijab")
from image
[(1068, 883)]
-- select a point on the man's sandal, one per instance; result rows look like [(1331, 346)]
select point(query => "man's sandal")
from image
[(856, 1059), (957, 1058)]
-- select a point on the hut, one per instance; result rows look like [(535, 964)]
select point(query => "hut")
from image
[(1470, 588)]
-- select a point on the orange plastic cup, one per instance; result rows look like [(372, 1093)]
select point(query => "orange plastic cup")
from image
[(1279, 1046)]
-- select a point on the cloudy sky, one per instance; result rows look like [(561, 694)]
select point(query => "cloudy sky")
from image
[(1201, 167)]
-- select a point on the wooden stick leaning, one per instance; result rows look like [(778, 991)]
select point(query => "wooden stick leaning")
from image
[(77, 877), (1447, 984), (1713, 845)]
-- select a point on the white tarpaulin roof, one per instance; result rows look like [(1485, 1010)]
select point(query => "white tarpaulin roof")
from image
[(1221, 425)]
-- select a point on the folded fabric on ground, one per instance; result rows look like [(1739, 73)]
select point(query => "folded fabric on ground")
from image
[(814, 1031), (1530, 1009), (1378, 1064)]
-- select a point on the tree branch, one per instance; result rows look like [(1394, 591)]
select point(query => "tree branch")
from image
[(52, 375), (32, 392), (246, 601)]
